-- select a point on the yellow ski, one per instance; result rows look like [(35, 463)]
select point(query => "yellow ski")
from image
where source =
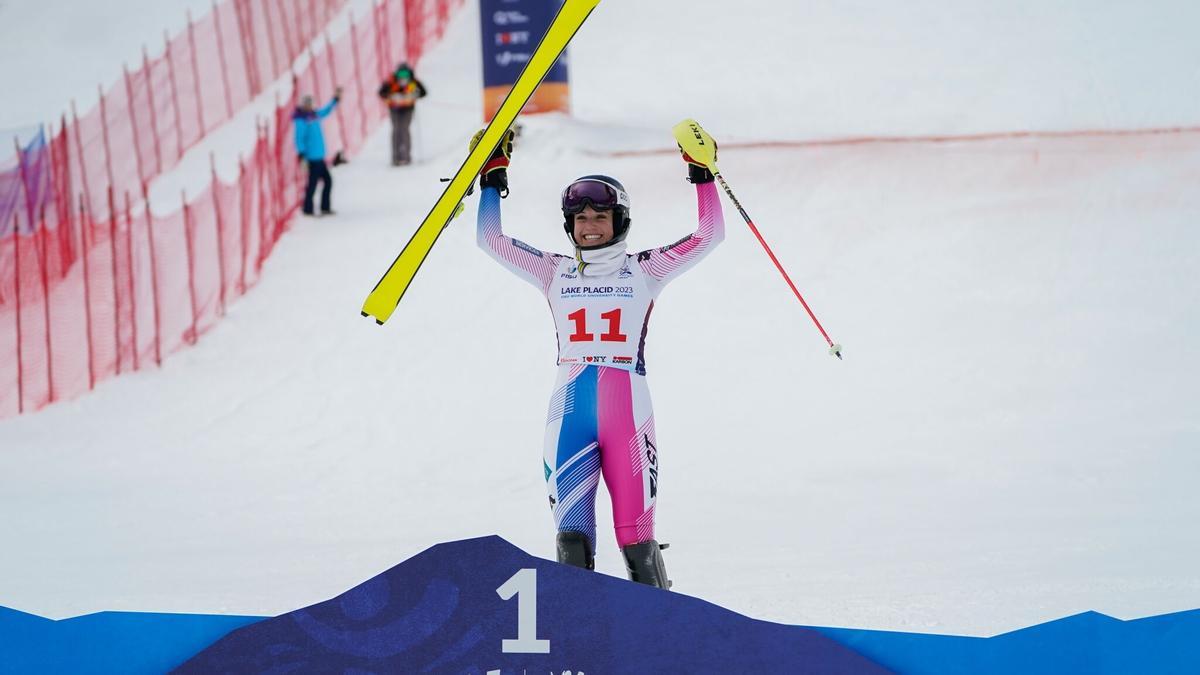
[(387, 293)]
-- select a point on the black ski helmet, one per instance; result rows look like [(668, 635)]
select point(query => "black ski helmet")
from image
[(611, 196)]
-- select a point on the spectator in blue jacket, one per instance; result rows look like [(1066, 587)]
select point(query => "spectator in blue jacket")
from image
[(310, 147)]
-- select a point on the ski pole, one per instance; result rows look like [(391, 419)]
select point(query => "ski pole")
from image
[(834, 348), (691, 138)]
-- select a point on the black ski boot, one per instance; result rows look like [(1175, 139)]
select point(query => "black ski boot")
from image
[(574, 548), (644, 562)]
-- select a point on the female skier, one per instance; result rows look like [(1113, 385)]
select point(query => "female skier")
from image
[(600, 419)]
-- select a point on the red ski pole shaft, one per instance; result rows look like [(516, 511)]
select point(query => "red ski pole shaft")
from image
[(835, 350)]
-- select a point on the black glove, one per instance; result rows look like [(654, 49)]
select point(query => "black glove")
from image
[(495, 170), (697, 172)]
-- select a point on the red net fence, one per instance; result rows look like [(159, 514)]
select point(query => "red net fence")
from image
[(95, 283)]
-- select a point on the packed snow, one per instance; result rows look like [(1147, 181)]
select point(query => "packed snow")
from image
[(1011, 438)]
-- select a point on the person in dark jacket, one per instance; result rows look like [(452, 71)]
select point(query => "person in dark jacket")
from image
[(310, 147), (400, 91)]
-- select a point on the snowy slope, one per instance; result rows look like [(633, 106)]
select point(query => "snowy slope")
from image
[(56, 50), (1010, 439), (785, 69)]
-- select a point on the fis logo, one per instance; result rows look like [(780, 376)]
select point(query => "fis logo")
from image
[(652, 456)]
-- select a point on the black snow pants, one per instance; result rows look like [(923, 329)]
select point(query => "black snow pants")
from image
[(317, 172)]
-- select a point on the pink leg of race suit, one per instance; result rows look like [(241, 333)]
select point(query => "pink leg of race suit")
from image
[(601, 421)]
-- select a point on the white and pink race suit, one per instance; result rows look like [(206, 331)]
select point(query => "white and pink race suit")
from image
[(600, 419)]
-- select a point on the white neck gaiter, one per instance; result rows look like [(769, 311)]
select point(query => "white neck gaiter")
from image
[(602, 261)]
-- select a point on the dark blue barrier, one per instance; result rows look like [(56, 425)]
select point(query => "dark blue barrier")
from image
[(441, 612)]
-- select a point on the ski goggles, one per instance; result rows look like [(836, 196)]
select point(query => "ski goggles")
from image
[(601, 195)]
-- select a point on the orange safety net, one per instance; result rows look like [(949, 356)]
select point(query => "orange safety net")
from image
[(93, 283)]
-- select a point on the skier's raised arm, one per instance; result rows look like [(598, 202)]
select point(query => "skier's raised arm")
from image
[(535, 266), (667, 262)]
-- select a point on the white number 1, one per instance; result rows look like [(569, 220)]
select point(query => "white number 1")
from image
[(524, 581)]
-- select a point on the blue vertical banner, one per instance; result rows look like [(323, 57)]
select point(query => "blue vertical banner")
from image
[(24, 181), (510, 30)]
